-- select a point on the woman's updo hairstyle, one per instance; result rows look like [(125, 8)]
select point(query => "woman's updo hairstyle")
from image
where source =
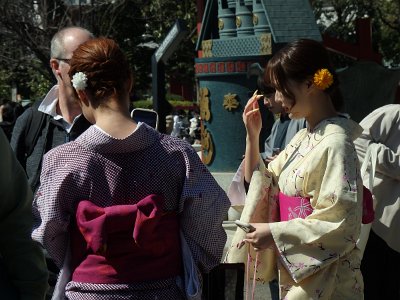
[(299, 61), (104, 65)]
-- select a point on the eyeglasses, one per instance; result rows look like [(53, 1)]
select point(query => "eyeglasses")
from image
[(66, 60)]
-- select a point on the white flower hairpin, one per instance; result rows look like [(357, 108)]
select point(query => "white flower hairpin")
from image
[(79, 81)]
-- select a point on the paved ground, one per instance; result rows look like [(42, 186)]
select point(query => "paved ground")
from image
[(262, 291), (224, 179)]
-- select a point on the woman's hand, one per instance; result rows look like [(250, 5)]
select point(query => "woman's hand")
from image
[(268, 159), (252, 117), (261, 238)]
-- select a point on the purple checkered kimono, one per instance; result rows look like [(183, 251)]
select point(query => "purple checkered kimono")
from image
[(107, 172)]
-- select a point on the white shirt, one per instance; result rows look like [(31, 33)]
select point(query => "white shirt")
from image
[(49, 107)]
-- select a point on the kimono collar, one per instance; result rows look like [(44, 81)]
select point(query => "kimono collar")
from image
[(338, 125), (99, 141)]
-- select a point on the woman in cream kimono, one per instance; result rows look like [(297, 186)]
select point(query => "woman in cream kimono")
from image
[(320, 189)]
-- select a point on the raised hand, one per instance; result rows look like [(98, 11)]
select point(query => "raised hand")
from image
[(252, 117)]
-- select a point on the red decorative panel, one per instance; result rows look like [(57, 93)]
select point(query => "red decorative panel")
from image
[(241, 66), (230, 67), (221, 67), (212, 67)]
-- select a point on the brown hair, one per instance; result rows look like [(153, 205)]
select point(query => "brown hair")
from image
[(298, 61), (105, 66)]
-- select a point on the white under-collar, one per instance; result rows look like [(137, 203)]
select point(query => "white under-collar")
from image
[(49, 107), (49, 103)]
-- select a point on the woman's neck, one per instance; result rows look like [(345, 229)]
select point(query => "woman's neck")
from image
[(322, 109), (115, 120)]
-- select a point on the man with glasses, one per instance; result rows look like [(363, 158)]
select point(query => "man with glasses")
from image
[(58, 118), (55, 120)]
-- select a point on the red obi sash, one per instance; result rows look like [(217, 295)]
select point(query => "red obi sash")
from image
[(125, 243), (291, 207)]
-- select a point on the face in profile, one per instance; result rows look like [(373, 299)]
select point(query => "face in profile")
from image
[(270, 102), (299, 106)]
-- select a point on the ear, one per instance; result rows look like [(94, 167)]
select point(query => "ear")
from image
[(55, 66)]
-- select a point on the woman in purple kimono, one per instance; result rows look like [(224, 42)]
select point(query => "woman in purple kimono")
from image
[(117, 203)]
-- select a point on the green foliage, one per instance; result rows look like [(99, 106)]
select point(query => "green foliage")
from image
[(176, 104), (26, 28), (143, 104), (5, 86), (339, 21), (38, 85), (173, 97)]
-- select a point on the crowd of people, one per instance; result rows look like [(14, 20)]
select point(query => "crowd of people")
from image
[(125, 212), (186, 126)]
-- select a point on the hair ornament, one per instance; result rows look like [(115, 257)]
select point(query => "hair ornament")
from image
[(323, 79), (79, 81)]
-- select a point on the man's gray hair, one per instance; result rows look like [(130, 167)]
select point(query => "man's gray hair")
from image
[(57, 46)]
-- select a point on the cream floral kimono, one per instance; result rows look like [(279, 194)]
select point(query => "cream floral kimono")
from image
[(318, 258)]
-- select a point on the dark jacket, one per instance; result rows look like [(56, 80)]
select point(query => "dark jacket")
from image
[(22, 263), (52, 134)]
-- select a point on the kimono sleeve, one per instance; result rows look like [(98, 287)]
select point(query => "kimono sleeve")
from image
[(204, 206), (53, 205), (307, 245), (384, 132)]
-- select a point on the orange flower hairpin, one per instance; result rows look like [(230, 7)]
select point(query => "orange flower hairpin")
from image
[(323, 79)]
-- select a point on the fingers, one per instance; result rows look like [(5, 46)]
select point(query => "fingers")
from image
[(253, 101), (240, 244), (244, 241), (253, 111)]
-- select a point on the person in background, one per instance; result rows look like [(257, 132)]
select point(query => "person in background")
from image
[(10, 111), (317, 176), (58, 118), (124, 196), (378, 148), (23, 273), (283, 129)]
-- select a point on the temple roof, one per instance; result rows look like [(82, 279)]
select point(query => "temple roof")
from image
[(288, 20)]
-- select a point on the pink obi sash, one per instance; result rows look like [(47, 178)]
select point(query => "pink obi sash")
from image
[(293, 207), (299, 207), (125, 243)]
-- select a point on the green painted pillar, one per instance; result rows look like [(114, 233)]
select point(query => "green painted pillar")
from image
[(224, 90)]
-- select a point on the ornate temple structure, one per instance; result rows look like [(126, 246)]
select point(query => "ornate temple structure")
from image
[(234, 36)]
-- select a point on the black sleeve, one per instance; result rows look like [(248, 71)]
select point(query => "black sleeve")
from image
[(18, 136)]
